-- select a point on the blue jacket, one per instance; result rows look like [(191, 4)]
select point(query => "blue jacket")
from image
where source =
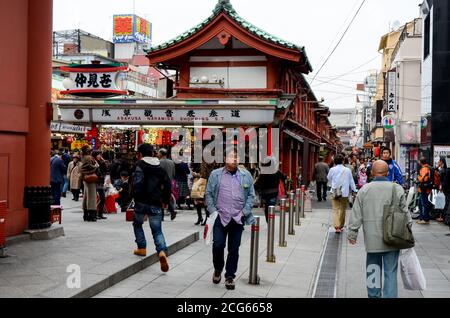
[(57, 170), (212, 192), (395, 172)]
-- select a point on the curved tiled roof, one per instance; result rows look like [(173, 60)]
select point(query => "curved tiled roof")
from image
[(225, 6)]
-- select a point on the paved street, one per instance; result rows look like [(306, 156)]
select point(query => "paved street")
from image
[(38, 268)]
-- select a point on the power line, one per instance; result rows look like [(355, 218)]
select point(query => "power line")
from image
[(340, 40)]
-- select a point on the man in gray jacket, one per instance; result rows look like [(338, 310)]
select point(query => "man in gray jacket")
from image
[(320, 175), (368, 212), (169, 167)]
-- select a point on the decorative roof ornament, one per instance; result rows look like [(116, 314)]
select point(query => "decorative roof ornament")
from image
[(224, 5)]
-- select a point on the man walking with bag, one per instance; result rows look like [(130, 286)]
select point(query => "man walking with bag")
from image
[(368, 211), (230, 192), (342, 182), (152, 190)]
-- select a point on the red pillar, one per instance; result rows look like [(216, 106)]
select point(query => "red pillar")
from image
[(39, 81)]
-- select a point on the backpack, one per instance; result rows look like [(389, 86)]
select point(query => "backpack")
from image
[(432, 181), (397, 225)]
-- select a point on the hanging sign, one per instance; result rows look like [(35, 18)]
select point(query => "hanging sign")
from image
[(93, 80), (388, 122), (392, 96)]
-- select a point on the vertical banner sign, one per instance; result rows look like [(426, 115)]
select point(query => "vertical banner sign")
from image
[(392, 94)]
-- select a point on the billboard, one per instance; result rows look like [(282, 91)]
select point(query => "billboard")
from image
[(129, 28)]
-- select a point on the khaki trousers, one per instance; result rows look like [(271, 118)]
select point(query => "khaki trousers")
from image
[(339, 209)]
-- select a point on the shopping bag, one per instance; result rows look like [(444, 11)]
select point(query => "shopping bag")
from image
[(439, 201), (198, 189), (432, 197), (411, 271), (208, 232)]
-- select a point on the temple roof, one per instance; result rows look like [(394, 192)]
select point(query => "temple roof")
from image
[(226, 7)]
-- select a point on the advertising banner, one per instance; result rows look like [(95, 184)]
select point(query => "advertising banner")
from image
[(130, 28)]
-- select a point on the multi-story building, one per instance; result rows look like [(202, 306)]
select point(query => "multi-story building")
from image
[(435, 93)]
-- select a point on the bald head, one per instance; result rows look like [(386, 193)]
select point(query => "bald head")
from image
[(380, 169)]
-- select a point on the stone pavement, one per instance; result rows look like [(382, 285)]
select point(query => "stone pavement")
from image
[(102, 250), (292, 276)]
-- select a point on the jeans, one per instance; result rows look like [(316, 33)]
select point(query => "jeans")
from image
[(220, 233), (268, 202), (322, 188), (388, 263), (65, 185), (155, 220), (56, 192), (425, 207)]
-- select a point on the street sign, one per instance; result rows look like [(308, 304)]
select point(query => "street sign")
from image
[(392, 96), (388, 122)]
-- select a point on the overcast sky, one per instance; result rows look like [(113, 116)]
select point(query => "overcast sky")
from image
[(315, 24)]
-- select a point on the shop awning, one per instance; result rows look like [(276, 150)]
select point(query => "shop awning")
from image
[(294, 135), (169, 112)]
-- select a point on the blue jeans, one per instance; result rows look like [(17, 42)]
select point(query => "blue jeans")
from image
[(377, 263), (65, 185), (220, 233), (155, 220), (425, 207)]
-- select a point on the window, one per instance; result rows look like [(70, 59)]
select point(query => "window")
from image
[(427, 38)]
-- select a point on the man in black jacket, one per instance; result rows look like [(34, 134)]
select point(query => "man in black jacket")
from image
[(152, 189)]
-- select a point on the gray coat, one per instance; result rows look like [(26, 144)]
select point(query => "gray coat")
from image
[(169, 167), (321, 172), (368, 213)]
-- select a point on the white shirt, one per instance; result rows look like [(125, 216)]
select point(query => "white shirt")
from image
[(337, 179)]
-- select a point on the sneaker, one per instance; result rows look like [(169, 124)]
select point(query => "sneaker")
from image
[(173, 216), (217, 277), (163, 261), (338, 231), (229, 284)]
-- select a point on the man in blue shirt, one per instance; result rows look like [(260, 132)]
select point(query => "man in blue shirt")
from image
[(395, 172)]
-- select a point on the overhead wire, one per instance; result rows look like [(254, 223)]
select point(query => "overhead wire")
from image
[(340, 40)]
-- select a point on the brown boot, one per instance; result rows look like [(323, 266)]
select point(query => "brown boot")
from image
[(163, 261), (140, 252)]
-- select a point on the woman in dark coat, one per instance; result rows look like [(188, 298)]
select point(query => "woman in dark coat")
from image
[(102, 171), (89, 167)]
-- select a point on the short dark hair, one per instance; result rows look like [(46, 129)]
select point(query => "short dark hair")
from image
[(96, 153), (338, 160), (124, 174), (386, 149), (146, 150), (321, 158), (423, 160)]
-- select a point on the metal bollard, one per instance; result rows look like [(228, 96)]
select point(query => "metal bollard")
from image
[(302, 202), (254, 253), (271, 236), (297, 207), (283, 242), (291, 230)]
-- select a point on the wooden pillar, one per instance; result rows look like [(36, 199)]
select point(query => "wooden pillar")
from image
[(305, 165), (39, 83)]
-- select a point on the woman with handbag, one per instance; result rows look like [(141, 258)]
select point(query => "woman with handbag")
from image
[(89, 176), (101, 172), (201, 175)]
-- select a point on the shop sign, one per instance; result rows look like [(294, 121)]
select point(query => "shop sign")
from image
[(441, 151), (392, 96), (169, 116), (67, 128), (93, 80), (78, 144), (369, 113), (388, 122)]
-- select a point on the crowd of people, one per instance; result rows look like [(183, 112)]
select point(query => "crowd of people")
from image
[(373, 189)]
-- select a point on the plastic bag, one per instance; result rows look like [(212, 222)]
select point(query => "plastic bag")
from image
[(432, 197), (439, 201), (208, 232), (412, 274)]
